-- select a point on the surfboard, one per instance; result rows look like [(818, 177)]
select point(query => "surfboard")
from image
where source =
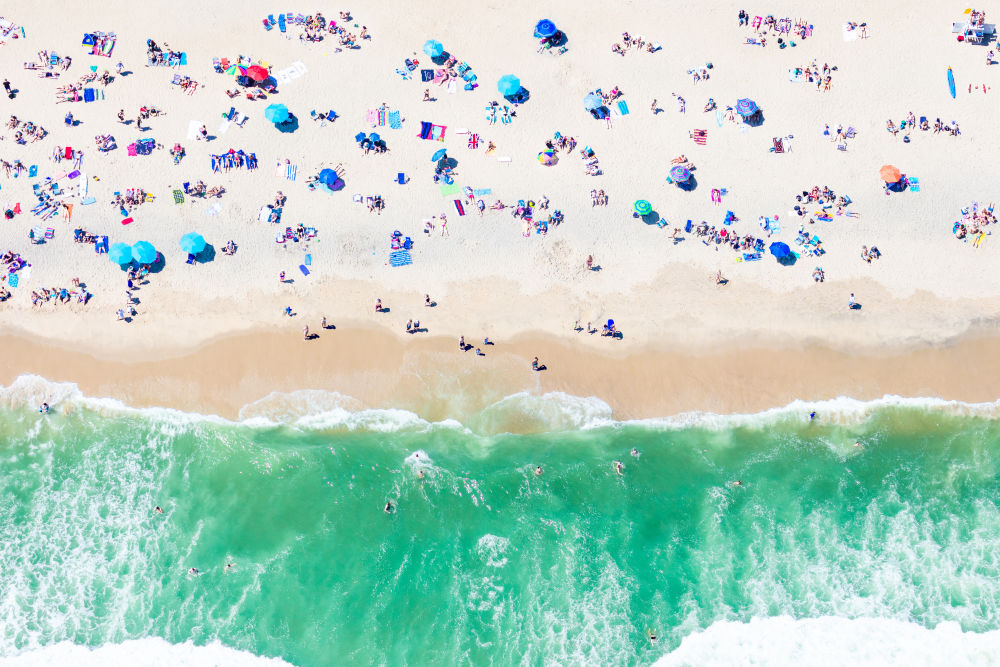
[(951, 82)]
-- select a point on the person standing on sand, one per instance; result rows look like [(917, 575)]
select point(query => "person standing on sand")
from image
[(427, 300), (427, 95), (305, 332), (461, 343), (322, 323), (652, 107), (851, 302), (378, 305)]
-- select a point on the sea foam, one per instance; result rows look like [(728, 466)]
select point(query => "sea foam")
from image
[(154, 652), (782, 640)]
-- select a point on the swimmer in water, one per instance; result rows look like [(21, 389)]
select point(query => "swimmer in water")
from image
[(738, 482), (158, 510), (652, 636), (229, 566), (420, 473), (194, 571), (619, 467), (812, 415), (44, 409), (857, 444), (635, 452), (388, 507), (538, 470)]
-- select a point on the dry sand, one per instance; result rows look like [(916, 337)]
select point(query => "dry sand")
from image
[(214, 336)]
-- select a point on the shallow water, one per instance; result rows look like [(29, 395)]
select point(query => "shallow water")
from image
[(482, 561)]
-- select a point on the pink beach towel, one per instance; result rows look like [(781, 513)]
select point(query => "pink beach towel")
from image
[(458, 205), (371, 117)]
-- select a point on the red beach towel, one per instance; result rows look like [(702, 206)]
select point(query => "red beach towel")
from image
[(700, 137), (458, 205), (69, 153)]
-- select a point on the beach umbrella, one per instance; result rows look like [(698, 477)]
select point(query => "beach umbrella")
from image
[(233, 70), (192, 243), (508, 84), (779, 250), (359, 137), (374, 137), (328, 177), (144, 252), (545, 28), (643, 207), (433, 48), (257, 73), (592, 101), (120, 253), (746, 107), (890, 174), (438, 154), (680, 173), (276, 113), (547, 157)]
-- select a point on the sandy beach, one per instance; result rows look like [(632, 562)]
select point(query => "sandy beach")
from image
[(213, 337)]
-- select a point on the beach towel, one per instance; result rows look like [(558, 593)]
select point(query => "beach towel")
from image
[(381, 117), (68, 155), (483, 191), (101, 245), (796, 76), (12, 280), (371, 117), (719, 118), (425, 130), (214, 209), (291, 172), (33, 171), (308, 259), (623, 107), (394, 120), (437, 132), (426, 75), (178, 197), (473, 141), (400, 258), (88, 200), (127, 221), (88, 95), (459, 207), (194, 129), (850, 34), (700, 137), (752, 256), (223, 127), (448, 190), (452, 87), (132, 150), (303, 269), (913, 183)]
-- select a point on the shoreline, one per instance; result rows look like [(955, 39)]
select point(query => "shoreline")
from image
[(249, 374)]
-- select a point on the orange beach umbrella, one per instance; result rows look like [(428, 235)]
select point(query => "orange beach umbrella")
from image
[(890, 174)]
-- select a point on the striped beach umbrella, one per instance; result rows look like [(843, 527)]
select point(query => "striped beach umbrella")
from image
[(680, 174), (643, 207), (547, 157), (746, 107)]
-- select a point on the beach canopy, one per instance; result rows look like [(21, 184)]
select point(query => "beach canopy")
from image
[(547, 157), (508, 84), (433, 48), (545, 28), (779, 250), (192, 243), (328, 177), (680, 173), (257, 73), (438, 154), (746, 107), (643, 207), (120, 253), (592, 101), (144, 252), (276, 113), (890, 174)]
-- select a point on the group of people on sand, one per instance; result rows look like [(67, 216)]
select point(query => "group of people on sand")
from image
[(12, 262), (909, 123), (28, 131), (60, 294), (598, 197), (974, 223), (629, 42)]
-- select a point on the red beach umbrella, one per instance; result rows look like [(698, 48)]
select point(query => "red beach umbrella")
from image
[(257, 73)]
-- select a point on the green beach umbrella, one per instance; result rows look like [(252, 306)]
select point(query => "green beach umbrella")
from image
[(643, 207)]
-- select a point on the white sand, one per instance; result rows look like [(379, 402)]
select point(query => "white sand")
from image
[(486, 277)]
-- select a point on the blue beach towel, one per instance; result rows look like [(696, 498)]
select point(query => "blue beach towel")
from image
[(483, 191), (184, 58), (309, 259), (623, 107), (292, 172), (394, 120), (426, 75), (281, 22), (400, 258), (12, 280), (719, 117), (303, 269)]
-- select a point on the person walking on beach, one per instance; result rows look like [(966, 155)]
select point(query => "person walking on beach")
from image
[(305, 332), (378, 305), (461, 343), (427, 300), (653, 107)]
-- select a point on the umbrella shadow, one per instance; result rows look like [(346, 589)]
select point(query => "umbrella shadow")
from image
[(520, 97), (441, 59), (689, 185), (756, 119), (650, 218), (788, 260), (158, 264), (206, 255), (289, 125)]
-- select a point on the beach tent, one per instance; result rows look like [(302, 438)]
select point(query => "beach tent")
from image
[(746, 107), (433, 48), (328, 177), (779, 250), (192, 243), (545, 28), (144, 252), (680, 174), (508, 85), (276, 113), (257, 73), (120, 253), (592, 101), (890, 174), (643, 207)]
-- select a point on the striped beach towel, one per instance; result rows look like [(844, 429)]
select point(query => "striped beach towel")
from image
[(700, 137), (292, 172), (394, 121), (400, 258), (381, 117), (459, 207), (623, 107)]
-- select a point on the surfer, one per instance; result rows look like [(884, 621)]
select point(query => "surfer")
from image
[(158, 510), (194, 571), (738, 482), (538, 470), (388, 507), (619, 468)]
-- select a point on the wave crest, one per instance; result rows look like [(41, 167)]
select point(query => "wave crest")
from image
[(153, 652)]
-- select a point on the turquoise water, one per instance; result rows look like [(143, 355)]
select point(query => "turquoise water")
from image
[(483, 561)]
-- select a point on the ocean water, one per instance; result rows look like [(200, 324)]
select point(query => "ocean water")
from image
[(883, 553)]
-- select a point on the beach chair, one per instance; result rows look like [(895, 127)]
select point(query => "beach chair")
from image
[(401, 178)]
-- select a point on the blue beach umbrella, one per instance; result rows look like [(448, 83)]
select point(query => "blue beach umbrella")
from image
[(438, 154), (359, 137), (144, 252), (433, 48), (545, 28), (328, 177), (120, 253), (374, 137), (680, 174), (746, 107), (192, 243), (508, 84), (779, 250), (592, 101), (276, 113)]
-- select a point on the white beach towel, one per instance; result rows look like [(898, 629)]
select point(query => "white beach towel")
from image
[(194, 129), (452, 87), (214, 209)]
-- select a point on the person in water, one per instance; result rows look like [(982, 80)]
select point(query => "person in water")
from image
[(538, 470), (388, 507), (44, 408), (194, 571), (420, 473), (619, 467), (635, 452), (158, 510)]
